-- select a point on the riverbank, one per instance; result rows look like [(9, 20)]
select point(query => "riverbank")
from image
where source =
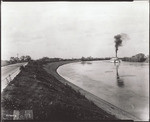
[(109, 108), (44, 97)]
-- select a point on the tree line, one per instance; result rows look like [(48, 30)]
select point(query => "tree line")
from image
[(137, 58), (19, 60)]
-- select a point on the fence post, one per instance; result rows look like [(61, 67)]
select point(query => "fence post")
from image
[(9, 77), (7, 81)]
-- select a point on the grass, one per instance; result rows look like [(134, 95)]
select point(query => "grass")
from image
[(35, 89)]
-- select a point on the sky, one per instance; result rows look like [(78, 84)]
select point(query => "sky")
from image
[(73, 29)]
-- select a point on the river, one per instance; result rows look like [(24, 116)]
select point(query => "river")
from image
[(125, 85)]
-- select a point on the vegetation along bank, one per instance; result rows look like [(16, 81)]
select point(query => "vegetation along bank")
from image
[(37, 90)]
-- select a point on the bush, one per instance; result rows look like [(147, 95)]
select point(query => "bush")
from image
[(22, 67)]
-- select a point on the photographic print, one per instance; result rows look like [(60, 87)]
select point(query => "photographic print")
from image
[(75, 61)]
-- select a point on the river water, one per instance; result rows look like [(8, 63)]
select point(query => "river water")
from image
[(125, 85)]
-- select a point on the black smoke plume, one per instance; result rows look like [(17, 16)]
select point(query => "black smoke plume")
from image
[(118, 40)]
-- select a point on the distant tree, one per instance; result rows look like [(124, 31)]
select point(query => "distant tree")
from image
[(17, 59), (45, 58), (147, 59), (136, 58), (140, 57), (82, 59), (12, 60), (89, 58), (22, 58), (27, 58)]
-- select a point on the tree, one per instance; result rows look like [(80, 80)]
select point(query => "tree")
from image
[(22, 58), (82, 59), (140, 57), (27, 58), (17, 59), (12, 60)]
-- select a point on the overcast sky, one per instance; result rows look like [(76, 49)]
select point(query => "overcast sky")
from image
[(73, 29)]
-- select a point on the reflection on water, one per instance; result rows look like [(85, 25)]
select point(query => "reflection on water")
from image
[(120, 81), (83, 62), (86, 62), (125, 84)]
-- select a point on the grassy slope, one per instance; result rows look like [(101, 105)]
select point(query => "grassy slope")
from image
[(47, 97)]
